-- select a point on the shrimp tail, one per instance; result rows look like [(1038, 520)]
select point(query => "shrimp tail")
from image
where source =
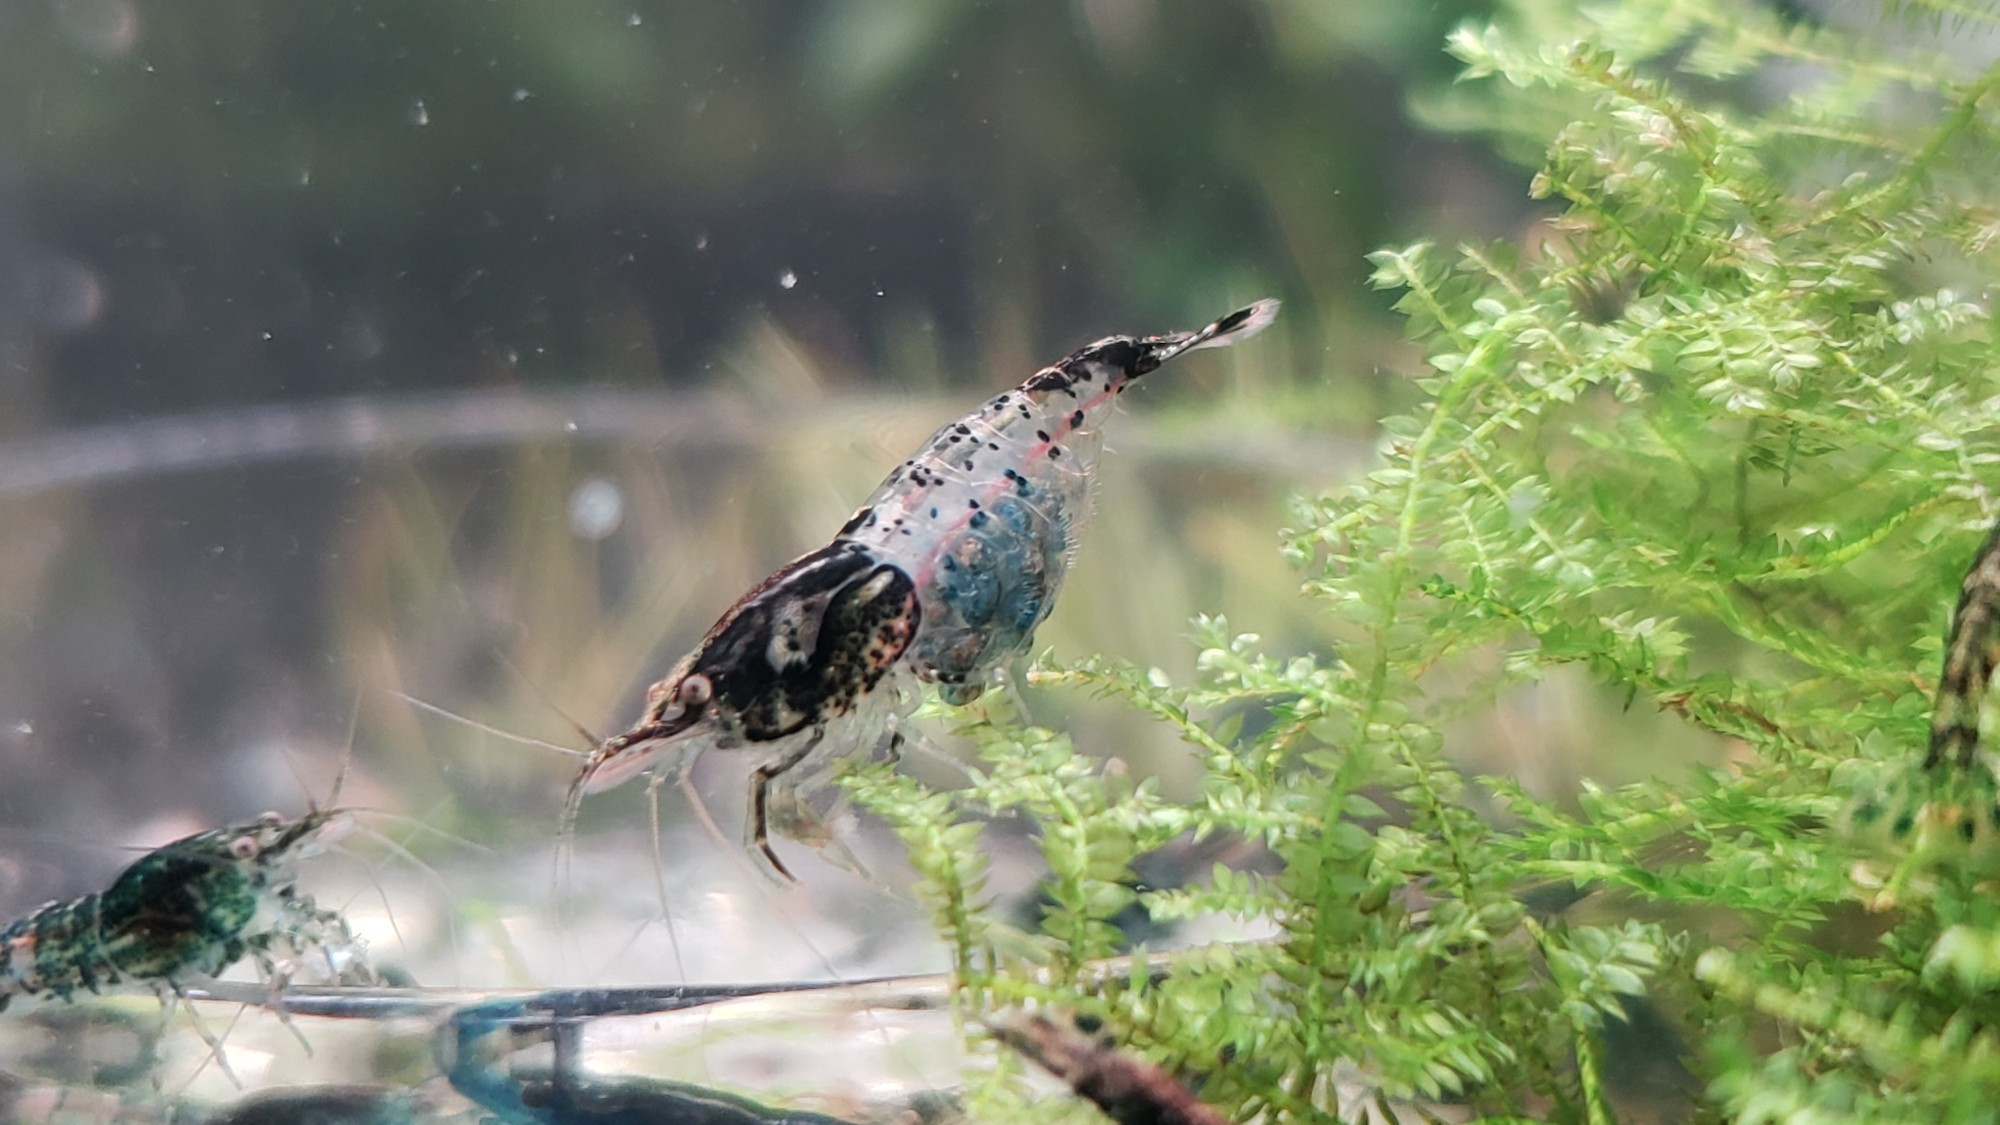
[(1230, 330), (1118, 360), (1153, 351)]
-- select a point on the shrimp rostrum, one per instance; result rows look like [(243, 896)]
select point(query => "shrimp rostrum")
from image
[(941, 577)]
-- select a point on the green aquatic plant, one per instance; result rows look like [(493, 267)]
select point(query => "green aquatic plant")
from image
[(1716, 436)]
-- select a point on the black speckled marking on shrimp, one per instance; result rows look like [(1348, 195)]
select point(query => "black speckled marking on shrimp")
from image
[(804, 650), (800, 650)]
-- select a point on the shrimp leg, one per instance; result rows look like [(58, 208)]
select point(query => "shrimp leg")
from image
[(760, 784)]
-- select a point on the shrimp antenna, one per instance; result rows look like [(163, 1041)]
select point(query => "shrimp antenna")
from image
[(660, 874), (381, 894), (418, 826), (760, 880), (582, 731), (346, 759), (572, 804), (475, 724), (339, 779), (299, 778), (398, 850), (565, 856)]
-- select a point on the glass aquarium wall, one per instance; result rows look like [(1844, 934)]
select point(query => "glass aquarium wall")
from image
[(391, 393), (492, 627)]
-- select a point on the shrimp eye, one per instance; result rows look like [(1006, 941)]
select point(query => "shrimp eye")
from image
[(244, 847), (695, 691)]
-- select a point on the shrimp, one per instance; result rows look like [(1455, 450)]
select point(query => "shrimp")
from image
[(1971, 653), (188, 910), (940, 577), (1949, 807)]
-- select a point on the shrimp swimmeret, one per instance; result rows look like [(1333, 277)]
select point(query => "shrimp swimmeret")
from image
[(940, 577)]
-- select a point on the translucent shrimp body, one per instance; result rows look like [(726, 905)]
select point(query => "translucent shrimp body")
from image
[(986, 517), (184, 911), (941, 576)]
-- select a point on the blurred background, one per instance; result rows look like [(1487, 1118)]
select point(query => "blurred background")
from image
[(484, 352)]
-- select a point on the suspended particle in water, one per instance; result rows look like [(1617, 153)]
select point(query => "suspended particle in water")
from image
[(787, 279), (419, 114)]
